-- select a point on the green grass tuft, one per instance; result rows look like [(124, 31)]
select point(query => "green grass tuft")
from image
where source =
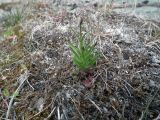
[(84, 54), (12, 18)]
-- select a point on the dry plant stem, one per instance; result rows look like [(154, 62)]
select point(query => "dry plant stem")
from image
[(123, 108), (65, 114), (58, 113), (105, 81), (119, 115), (50, 115), (40, 113), (53, 100), (144, 113), (95, 105), (128, 91), (77, 109), (30, 85), (22, 78)]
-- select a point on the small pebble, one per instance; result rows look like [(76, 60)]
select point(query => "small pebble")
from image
[(152, 83)]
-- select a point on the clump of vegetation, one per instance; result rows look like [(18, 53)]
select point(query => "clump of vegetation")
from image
[(9, 31), (84, 53), (10, 21), (12, 18)]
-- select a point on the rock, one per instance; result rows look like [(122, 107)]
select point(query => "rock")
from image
[(152, 83), (155, 60), (40, 104)]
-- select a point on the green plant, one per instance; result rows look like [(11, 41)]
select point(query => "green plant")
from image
[(5, 92), (12, 18), (83, 53), (9, 31)]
